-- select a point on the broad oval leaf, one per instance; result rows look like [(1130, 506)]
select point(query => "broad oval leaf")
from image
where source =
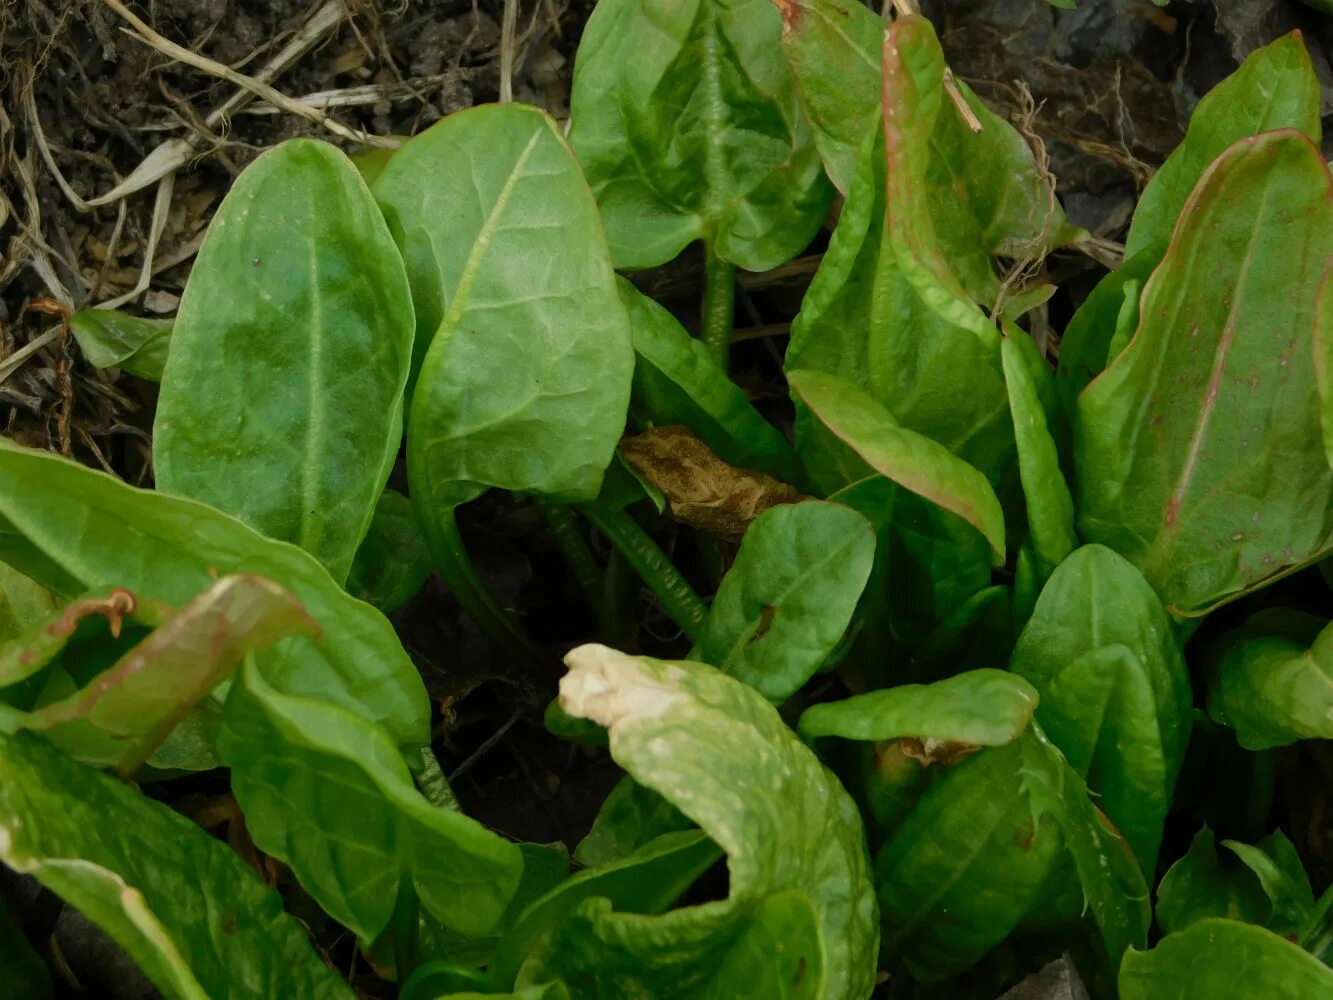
[(130, 708), (685, 119), (1050, 508), (677, 381), (695, 735), (980, 708), (1274, 88), (110, 338), (1224, 960), (1115, 693), (328, 794), (1187, 464), (280, 399), (787, 600), (1197, 887), (629, 818), (915, 462), (526, 375), (72, 528), (392, 564), (181, 903), (1273, 687), (23, 603)]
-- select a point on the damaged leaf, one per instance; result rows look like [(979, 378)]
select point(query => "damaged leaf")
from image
[(701, 490)]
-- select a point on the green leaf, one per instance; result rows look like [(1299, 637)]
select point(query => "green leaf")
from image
[(645, 882), (1223, 960), (128, 710), (677, 381), (1050, 508), (1278, 868), (327, 793), (392, 564), (688, 127), (113, 339), (787, 600), (182, 904), (1274, 88), (980, 708), (1198, 886), (1115, 693), (1274, 688), (23, 603), (280, 400), (1085, 347), (629, 818), (965, 866), (1323, 361), (72, 528), (22, 970), (526, 382), (1187, 464), (914, 462), (695, 735)]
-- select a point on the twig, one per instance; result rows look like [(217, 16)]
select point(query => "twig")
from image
[(161, 211), (166, 46), (15, 361), (960, 102)]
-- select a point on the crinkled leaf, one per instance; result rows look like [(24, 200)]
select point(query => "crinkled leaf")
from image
[(787, 600), (280, 400), (677, 381), (184, 905), (392, 564), (327, 793), (109, 338), (127, 710), (1198, 886), (1115, 694), (980, 708), (1274, 88), (688, 127), (1274, 688), (1050, 508), (695, 735), (63, 522), (1223, 960), (629, 818), (46, 638), (911, 460), (526, 379), (1198, 450)]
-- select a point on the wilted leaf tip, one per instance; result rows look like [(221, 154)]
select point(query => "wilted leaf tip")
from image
[(609, 687)]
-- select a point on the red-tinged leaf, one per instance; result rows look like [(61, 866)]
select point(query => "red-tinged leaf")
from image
[(124, 713), (1199, 452), (1323, 359), (915, 462)]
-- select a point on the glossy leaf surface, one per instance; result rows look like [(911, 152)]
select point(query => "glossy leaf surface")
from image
[(688, 127), (787, 600), (185, 906), (1223, 960), (280, 398), (1274, 687), (109, 338), (1199, 886), (914, 462), (798, 835), (1115, 694), (72, 528), (1186, 463), (328, 794), (525, 378), (629, 818)]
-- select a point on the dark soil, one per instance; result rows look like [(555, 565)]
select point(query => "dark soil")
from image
[(1111, 87)]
